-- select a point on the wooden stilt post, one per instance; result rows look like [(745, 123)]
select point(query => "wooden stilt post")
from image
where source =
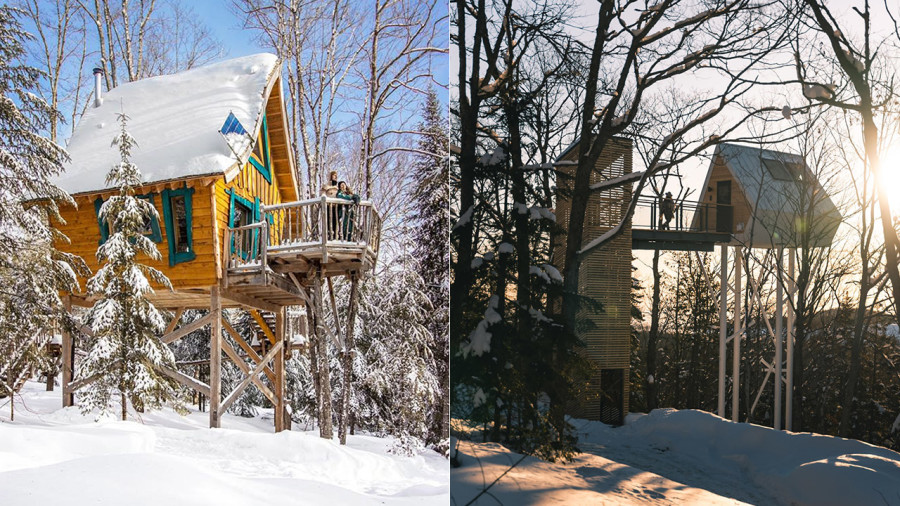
[(779, 340), (738, 324), (68, 356), (347, 358), (789, 386), (280, 411), (215, 358), (723, 326)]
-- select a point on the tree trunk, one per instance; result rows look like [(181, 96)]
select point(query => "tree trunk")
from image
[(849, 390), (324, 370), (348, 361)]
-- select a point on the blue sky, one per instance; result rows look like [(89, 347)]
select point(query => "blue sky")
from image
[(221, 19)]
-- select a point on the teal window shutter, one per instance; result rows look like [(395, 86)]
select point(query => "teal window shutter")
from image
[(104, 226), (177, 210), (154, 234), (248, 212), (262, 160)]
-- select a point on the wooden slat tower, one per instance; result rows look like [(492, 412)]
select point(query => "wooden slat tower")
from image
[(605, 277), (235, 236)]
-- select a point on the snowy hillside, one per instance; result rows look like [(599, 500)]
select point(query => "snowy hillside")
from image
[(50, 455), (688, 456)]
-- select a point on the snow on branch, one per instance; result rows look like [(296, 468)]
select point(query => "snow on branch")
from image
[(616, 181)]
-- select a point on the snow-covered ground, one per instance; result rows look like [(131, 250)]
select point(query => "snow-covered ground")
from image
[(50, 455), (685, 457)]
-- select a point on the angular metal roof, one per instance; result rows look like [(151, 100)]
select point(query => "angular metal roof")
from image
[(784, 195)]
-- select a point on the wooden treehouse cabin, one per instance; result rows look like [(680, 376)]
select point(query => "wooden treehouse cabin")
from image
[(216, 161), (765, 198)]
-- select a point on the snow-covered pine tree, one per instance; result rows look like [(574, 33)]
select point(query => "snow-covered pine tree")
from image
[(432, 205), (398, 389), (32, 272), (125, 351)]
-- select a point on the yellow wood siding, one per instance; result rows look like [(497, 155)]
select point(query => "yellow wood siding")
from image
[(83, 231), (249, 184)]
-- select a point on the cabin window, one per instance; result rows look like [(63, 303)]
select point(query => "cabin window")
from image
[(177, 210), (151, 224), (243, 212), (261, 157)]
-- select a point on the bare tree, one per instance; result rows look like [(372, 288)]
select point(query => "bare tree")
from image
[(401, 42), (59, 38), (850, 76), (176, 40)]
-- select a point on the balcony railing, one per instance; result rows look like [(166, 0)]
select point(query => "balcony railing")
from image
[(688, 216), (315, 228)]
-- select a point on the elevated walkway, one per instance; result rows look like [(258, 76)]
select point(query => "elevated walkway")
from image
[(695, 226)]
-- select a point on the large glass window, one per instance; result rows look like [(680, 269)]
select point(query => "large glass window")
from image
[(177, 210)]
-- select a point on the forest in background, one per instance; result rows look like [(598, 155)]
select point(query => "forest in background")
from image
[(677, 78), (362, 98)]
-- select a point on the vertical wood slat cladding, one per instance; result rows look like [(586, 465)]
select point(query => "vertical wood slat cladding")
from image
[(605, 274), (83, 231)]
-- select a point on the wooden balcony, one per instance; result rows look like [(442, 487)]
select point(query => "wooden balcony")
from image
[(296, 240)]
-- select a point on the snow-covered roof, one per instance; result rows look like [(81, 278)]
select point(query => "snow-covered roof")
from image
[(175, 120), (778, 186)]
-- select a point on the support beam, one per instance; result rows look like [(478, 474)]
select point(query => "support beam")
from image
[(68, 358), (191, 327), (738, 329), (779, 340), (233, 396), (280, 358), (215, 359), (248, 301), (723, 326), (186, 380), (175, 319), (789, 387), (83, 382), (337, 320), (247, 348), (238, 361)]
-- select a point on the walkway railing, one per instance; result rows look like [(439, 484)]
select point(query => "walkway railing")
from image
[(314, 228), (688, 216)]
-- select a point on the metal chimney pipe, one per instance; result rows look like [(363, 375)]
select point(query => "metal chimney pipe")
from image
[(98, 90)]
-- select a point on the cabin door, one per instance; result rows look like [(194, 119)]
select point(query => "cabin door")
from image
[(724, 209)]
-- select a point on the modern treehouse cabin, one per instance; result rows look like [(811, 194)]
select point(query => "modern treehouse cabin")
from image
[(216, 161), (766, 198)]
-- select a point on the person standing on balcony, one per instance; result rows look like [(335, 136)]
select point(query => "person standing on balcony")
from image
[(667, 211), (330, 190), (333, 211), (345, 211)]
